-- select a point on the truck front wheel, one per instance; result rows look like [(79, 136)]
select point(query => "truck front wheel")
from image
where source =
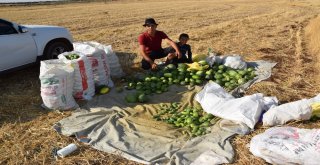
[(54, 49)]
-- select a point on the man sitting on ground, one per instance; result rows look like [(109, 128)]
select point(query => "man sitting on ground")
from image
[(150, 45)]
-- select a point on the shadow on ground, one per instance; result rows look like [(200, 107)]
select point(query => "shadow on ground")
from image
[(130, 62), (20, 99)]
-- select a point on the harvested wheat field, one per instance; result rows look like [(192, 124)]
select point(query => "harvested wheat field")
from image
[(282, 31)]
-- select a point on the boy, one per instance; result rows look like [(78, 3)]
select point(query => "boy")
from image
[(185, 49)]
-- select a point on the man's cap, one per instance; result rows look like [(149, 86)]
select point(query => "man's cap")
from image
[(149, 21)]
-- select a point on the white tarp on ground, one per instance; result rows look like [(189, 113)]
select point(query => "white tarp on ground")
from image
[(263, 71), (114, 126)]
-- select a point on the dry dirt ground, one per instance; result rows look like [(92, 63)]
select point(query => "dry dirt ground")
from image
[(282, 31)]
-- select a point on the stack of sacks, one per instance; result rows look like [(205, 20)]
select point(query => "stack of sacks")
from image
[(112, 59), (83, 77), (99, 64)]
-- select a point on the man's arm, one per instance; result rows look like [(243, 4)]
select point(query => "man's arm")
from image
[(146, 57), (174, 45), (189, 54)]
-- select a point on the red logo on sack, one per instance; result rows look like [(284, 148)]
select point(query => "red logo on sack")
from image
[(94, 62), (83, 74)]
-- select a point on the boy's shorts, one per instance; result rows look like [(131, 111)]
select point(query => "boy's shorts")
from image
[(156, 55)]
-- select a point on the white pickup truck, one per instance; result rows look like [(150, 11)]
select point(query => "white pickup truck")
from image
[(21, 45)]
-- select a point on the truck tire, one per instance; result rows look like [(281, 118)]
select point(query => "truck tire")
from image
[(54, 49)]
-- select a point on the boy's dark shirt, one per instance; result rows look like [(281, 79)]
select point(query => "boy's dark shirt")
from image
[(185, 51)]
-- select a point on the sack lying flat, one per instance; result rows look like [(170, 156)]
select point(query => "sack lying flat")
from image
[(287, 145), (297, 110), (215, 100), (233, 61)]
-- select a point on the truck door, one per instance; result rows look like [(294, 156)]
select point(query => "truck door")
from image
[(16, 49)]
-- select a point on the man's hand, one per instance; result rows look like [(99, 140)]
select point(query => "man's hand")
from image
[(154, 66), (175, 47), (146, 57), (179, 55)]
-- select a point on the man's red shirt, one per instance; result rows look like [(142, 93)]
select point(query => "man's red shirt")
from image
[(152, 43)]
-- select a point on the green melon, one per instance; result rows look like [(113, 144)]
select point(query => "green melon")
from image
[(171, 66), (203, 62), (142, 98), (131, 98), (167, 75)]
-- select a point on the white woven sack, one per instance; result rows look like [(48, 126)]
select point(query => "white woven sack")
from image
[(296, 110), (99, 64), (287, 145), (99, 75), (56, 79), (235, 61), (111, 58), (83, 76)]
